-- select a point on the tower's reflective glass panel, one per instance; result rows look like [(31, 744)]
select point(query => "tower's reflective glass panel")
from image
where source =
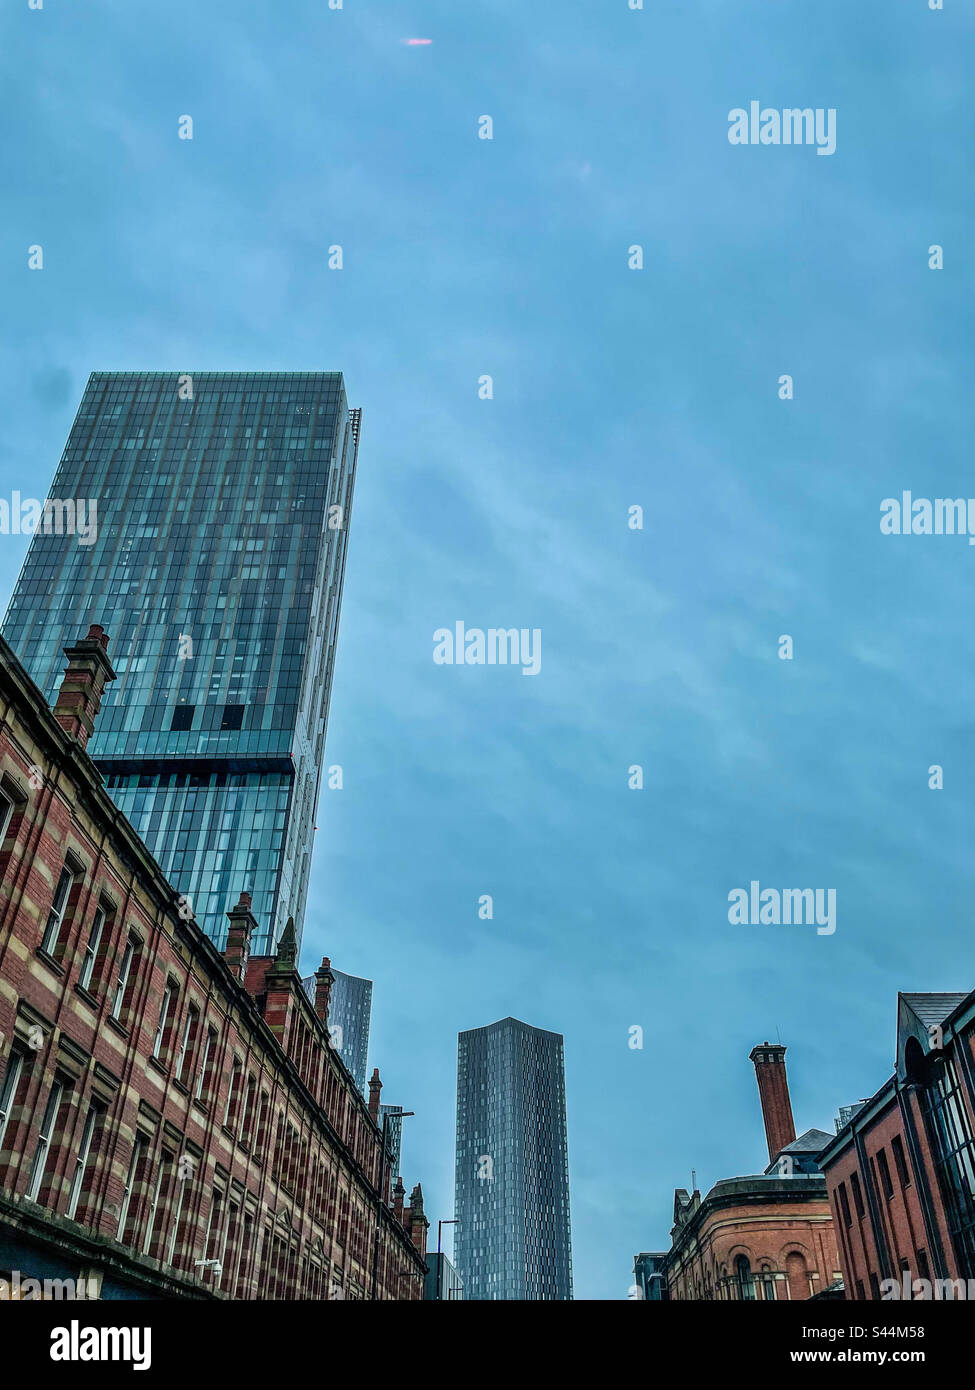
[(223, 504), (349, 1018), (512, 1239)]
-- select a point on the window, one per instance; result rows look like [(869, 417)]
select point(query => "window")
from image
[(125, 976), (233, 717), (81, 1162), (743, 1276), (900, 1162), (884, 1168), (243, 1267), (44, 1139), (6, 814), (212, 1245), (187, 1046), (182, 718), (845, 1205), (950, 1133), (260, 1143), (857, 1195), (8, 1092), (92, 945), (158, 1192), (55, 920), (232, 1094), (203, 1079), (797, 1275), (12, 804), (247, 1110), (228, 1255), (138, 1153), (173, 1248), (167, 1019)]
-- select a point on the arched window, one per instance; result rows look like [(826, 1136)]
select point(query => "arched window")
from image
[(797, 1275), (768, 1284), (743, 1278)]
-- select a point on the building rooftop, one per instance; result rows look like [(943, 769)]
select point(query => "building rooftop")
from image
[(812, 1142), (933, 1008)]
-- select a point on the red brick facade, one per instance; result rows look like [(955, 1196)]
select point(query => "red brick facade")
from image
[(773, 1088), (765, 1237), (901, 1174), (753, 1238), (160, 1104)]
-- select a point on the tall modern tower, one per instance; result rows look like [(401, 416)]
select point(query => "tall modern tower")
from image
[(349, 1014), (512, 1238), (223, 504)]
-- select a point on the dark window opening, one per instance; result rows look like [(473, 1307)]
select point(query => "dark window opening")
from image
[(233, 717), (888, 1186), (857, 1195), (182, 718)]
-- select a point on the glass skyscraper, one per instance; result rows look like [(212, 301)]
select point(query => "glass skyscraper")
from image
[(349, 1014), (394, 1134), (512, 1238), (223, 504)]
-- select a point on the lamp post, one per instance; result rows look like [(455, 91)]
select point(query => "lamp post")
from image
[(440, 1226), (381, 1197)]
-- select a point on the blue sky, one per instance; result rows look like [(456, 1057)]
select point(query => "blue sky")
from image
[(612, 387)]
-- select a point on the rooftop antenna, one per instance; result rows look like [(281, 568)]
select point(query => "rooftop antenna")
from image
[(693, 1179)]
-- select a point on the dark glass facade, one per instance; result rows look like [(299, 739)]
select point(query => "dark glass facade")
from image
[(394, 1134), (512, 1238), (349, 1017), (650, 1280), (953, 1144), (223, 503), (442, 1281)]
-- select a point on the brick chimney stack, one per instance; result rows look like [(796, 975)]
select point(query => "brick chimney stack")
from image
[(399, 1192), (85, 677), (417, 1223), (375, 1090), (324, 980), (773, 1091), (238, 949)]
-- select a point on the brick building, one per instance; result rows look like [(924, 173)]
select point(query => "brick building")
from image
[(173, 1121), (901, 1173), (766, 1236)]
